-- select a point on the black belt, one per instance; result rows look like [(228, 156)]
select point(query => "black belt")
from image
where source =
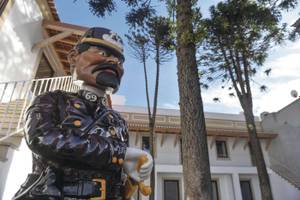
[(87, 189)]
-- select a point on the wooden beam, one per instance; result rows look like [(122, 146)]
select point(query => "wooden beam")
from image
[(70, 42), (53, 57), (212, 142), (51, 40), (59, 26), (64, 60), (162, 139), (61, 51), (235, 141)]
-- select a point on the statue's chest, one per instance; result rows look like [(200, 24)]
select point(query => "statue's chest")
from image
[(94, 119)]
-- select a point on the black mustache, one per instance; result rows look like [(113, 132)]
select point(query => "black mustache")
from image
[(104, 66)]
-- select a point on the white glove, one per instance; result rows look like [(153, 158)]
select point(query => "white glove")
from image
[(132, 157)]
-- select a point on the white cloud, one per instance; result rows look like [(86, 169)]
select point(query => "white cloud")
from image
[(227, 104), (295, 46), (290, 17), (286, 66), (278, 96), (285, 76), (118, 99)]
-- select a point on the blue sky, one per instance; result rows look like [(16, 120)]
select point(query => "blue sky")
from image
[(283, 59)]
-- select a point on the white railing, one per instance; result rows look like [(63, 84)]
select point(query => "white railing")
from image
[(17, 95)]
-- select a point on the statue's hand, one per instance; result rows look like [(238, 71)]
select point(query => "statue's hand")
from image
[(131, 164)]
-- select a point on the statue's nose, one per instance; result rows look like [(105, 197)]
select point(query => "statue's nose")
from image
[(112, 60)]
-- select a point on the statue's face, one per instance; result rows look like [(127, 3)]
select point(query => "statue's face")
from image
[(98, 67)]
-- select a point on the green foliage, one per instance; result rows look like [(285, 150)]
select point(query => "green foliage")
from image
[(137, 16), (160, 31), (156, 36), (100, 7), (140, 9), (237, 38), (278, 5), (139, 44)]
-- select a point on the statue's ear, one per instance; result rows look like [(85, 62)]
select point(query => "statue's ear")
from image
[(72, 57)]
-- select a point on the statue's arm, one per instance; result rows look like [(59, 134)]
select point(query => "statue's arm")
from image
[(46, 137)]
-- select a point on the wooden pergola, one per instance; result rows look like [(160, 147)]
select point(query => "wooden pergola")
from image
[(62, 37)]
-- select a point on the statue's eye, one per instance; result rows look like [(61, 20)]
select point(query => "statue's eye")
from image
[(103, 53)]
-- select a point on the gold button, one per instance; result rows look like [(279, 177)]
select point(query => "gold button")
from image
[(112, 131), (114, 160), (120, 161), (77, 105), (77, 123)]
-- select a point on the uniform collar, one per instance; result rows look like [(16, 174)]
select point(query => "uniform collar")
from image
[(92, 97)]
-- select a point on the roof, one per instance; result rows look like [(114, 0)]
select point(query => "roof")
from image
[(60, 37), (168, 121), (289, 106), (63, 45), (297, 23), (176, 112), (53, 10)]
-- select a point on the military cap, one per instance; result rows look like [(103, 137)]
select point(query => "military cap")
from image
[(101, 37)]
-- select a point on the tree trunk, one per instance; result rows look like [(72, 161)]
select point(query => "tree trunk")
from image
[(152, 152), (196, 168), (147, 89), (256, 151), (153, 119)]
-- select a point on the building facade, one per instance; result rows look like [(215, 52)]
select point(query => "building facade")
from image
[(234, 174), (33, 48), (284, 151)]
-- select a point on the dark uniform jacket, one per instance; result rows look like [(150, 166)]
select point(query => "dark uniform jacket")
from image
[(78, 146)]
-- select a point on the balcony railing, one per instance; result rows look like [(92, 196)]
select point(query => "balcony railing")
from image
[(17, 95)]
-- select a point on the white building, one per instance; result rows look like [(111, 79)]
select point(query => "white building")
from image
[(285, 150), (33, 48), (234, 174)]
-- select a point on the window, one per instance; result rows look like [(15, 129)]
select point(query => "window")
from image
[(171, 190), (246, 190), (146, 143), (215, 190), (221, 149), (3, 4)]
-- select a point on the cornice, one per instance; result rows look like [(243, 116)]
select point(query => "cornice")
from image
[(171, 125)]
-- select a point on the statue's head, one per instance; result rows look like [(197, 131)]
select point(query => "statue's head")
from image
[(97, 59)]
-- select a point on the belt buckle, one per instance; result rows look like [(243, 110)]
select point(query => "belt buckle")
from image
[(102, 190)]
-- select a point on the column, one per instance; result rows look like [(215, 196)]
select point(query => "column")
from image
[(236, 186)]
